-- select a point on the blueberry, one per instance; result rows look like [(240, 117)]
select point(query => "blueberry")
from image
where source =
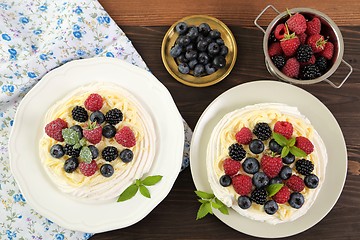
[(288, 159), (256, 146), (184, 68), (57, 151), (190, 55), (71, 164), (126, 155), (94, 151), (109, 131), (311, 181), (208, 40), (296, 200), (244, 202), (78, 129), (202, 45), (260, 179), (199, 70), (214, 34), (192, 64), (209, 69), (200, 38), (203, 58), (183, 41), (193, 33), (251, 165), (107, 170), (225, 180), (182, 59), (285, 172), (220, 41), (275, 180), (224, 50), (274, 146), (189, 47), (219, 62), (204, 29), (213, 48), (175, 51), (271, 207), (98, 117), (181, 27)]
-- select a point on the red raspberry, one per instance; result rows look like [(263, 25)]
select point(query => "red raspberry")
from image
[(302, 37), (243, 136), (295, 183), (94, 102), (282, 196), (271, 165), (291, 68), (231, 167), (297, 23), (316, 42), (275, 49), (313, 26), (88, 169), (280, 31), (290, 45), (93, 134), (310, 62), (242, 184), (304, 144), (328, 51), (54, 129), (284, 128), (125, 137)]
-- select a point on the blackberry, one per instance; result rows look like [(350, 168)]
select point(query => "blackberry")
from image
[(262, 131), (321, 63), (272, 37), (259, 195), (279, 61), (71, 151), (304, 167), (109, 153), (310, 72), (304, 53), (79, 114), (237, 152), (114, 116)]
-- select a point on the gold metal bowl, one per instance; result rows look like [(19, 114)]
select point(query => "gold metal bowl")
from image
[(188, 79)]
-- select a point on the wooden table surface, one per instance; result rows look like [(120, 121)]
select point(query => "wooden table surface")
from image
[(145, 23)]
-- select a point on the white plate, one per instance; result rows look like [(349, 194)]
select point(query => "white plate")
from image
[(320, 117), (31, 177)]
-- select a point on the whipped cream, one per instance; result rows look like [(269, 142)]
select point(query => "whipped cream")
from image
[(223, 136), (98, 187)]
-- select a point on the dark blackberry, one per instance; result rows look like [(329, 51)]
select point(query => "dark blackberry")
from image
[(262, 131), (272, 37), (279, 61), (310, 72), (109, 153), (71, 151), (304, 167), (321, 63), (237, 152), (304, 53), (114, 116), (79, 114), (259, 195)]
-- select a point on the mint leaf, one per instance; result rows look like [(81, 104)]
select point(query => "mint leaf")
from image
[(291, 142), (85, 154), (128, 193), (297, 152), (274, 188), (203, 201), (224, 210), (202, 212), (151, 180), (70, 136), (82, 142), (220, 202), (204, 195), (285, 151), (77, 146), (144, 191), (215, 205), (280, 139), (138, 182), (208, 207)]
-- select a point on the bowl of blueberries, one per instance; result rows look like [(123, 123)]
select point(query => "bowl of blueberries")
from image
[(199, 50)]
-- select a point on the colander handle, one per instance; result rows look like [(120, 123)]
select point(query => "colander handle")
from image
[(262, 12), (343, 81)]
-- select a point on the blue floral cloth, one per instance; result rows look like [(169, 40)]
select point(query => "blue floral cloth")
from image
[(37, 36)]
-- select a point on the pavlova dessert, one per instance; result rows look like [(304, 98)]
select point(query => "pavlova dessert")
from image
[(267, 162), (97, 141)]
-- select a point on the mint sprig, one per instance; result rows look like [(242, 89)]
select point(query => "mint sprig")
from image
[(70, 136), (288, 146), (208, 202), (85, 154), (139, 184), (273, 189)]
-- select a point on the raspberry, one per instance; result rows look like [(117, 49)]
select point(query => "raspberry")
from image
[(316, 42), (328, 51), (262, 131), (231, 167), (304, 167), (88, 169), (304, 144), (275, 49), (297, 23), (54, 129), (280, 31), (291, 68), (125, 136), (79, 114), (94, 102), (93, 133), (282, 196), (302, 37), (259, 196), (295, 183), (271, 165), (290, 44), (313, 26), (284, 128), (242, 184), (243, 136)]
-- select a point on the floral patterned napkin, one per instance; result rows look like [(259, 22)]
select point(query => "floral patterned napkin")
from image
[(37, 36)]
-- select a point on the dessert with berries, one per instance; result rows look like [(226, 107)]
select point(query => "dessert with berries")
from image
[(267, 162), (96, 141)]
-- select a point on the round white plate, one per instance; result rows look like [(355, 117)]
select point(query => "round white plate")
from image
[(67, 211), (320, 117)]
